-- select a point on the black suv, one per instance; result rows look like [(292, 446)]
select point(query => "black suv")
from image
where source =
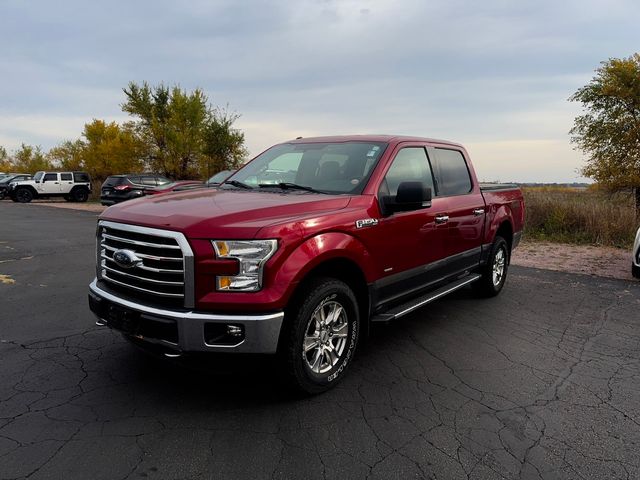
[(118, 188), (6, 179)]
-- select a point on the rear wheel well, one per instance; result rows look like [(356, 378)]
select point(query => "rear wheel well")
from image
[(506, 231), (341, 269)]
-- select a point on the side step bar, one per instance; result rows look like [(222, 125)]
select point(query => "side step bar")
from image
[(416, 303)]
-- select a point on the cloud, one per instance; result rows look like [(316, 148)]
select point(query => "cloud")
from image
[(484, 73)]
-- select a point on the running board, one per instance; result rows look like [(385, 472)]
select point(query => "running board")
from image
[(416, 303)]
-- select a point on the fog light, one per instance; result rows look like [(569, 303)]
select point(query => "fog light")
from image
[(222, 334)]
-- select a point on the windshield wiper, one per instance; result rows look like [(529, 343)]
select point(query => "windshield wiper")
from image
[(239, 184), (290, 186)]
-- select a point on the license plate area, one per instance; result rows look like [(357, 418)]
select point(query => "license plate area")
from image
[(123, 319)]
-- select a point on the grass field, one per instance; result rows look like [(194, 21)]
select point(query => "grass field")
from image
[(587, 217)]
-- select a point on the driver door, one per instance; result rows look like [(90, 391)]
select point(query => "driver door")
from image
[(407, 246), (50, 184)]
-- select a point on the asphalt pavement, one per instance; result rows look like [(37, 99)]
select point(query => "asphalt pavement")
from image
[(540, 382)]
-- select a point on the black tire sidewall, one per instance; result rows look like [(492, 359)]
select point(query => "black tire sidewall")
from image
[(321, 291), (28, 195), (80, 195)]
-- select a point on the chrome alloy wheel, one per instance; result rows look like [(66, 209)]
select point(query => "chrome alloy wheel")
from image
[(325, 337), (499, 263)]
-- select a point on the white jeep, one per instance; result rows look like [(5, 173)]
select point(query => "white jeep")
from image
[(72, 186)]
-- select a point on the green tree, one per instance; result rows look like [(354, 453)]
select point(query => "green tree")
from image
[(609, 130), (223, 145), (29, 159), (170, 123), (184, 136)]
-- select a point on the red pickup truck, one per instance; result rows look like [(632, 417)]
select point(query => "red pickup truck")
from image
[(298, 252)]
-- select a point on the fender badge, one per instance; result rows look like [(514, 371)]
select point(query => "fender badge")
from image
[(367, 222)]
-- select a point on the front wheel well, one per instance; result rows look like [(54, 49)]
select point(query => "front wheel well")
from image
[(341, 269)]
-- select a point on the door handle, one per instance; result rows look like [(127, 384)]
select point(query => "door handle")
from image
[(442, 219), (56, 183), (478, 211)]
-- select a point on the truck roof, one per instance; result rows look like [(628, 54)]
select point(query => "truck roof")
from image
[(371, 138)]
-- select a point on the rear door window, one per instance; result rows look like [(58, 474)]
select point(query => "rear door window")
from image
[(453, 174)]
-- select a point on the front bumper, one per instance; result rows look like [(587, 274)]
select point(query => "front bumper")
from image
[(187, 331)]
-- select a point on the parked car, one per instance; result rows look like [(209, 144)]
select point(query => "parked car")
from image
[(6, 179), (220, 177), (370, 229), (72, 186), (119, 188), (177, 186), (635, 260)]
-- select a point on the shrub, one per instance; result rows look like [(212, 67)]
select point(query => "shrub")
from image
[(581, 216)]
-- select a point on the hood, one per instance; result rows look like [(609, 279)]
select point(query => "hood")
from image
[(211, 213)]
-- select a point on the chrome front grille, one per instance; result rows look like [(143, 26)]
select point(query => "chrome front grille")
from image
[(164, 267)]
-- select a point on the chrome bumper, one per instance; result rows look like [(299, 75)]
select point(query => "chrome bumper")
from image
[(260, 333)]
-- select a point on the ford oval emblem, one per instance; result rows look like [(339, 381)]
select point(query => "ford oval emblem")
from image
[(126, 258)]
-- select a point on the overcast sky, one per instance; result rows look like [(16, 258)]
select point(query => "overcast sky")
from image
[(494, 75)]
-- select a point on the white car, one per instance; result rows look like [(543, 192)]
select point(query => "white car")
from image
[(635, 259), (72, 186)]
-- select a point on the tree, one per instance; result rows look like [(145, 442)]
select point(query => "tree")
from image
[(184, 136), (29, 159), (171, 123), (609, 130), (223, 147), (5, 162), (108, 148), (68, 155)]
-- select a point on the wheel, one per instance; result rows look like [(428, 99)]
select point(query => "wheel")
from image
[(80, 195), (2, 195), (23, 195), (635, 271), (494, 273), (320, 336)]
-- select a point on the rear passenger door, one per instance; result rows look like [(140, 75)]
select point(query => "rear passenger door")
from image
[(66, 182), (466, 208)]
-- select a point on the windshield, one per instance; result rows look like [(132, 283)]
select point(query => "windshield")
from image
[(38, 176), (341, 167)]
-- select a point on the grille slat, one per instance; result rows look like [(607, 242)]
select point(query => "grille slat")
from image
[(138, 242), (161, 272), (144, 255)]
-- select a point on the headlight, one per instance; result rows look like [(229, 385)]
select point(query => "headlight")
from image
[(252, 255)]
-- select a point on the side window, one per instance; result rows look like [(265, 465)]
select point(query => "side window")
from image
[(81, 177), (66, 177), (453, 174), (135, 180), (161, 180), (149, 181), (410, 165), (50, 177)]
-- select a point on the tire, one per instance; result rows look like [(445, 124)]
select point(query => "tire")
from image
[(316, 370), (2, 195), (23, 195), (494, 273), (635, 271), (80, 195)]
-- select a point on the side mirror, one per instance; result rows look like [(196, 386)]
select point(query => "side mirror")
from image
[(410, 196)]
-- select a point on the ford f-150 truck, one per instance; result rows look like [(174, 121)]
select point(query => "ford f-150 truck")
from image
[(302, 249)]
